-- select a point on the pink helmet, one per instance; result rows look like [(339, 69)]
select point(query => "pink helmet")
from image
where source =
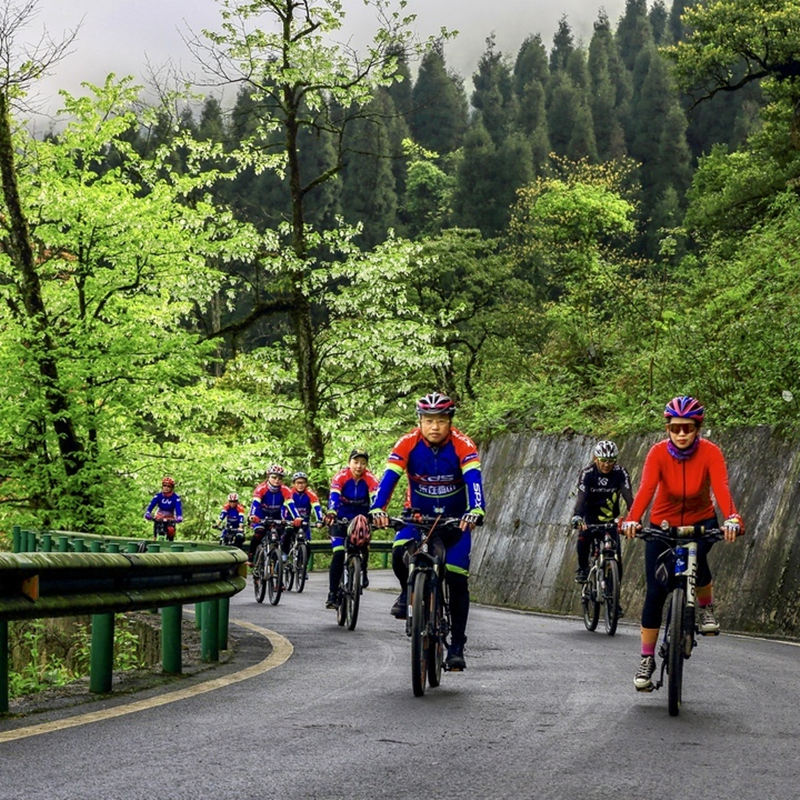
[(685, 407), (358, 531), (233, 497), (276, 469), (436, 403)]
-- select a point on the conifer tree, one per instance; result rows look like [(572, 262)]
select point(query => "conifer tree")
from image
[(634, 32), (494, 96), (563, 45)]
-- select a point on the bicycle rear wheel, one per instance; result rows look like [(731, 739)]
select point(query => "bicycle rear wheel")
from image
[(301, 567), (590, 601), (353, 593), (274, 576), (341, 598), (675, 652), (611, 598), (420, 628), (288, 573), (259, 575)]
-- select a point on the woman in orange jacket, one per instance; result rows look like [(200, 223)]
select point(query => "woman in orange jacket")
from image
[(682, 472)]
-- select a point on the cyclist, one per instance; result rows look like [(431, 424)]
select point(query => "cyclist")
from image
[(232, 517), (601, 486), (306, 502), (681, 471), (352, 492), (272, 501), (444, 477), (166, 504)]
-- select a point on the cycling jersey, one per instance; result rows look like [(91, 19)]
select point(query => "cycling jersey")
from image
[(232, 515), (307, 505), (350, 497), (599, 494), (273, 502), (443, 479), (168, 506), (683, 488)]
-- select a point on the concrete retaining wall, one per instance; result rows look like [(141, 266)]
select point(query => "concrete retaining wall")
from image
[(524, 556)]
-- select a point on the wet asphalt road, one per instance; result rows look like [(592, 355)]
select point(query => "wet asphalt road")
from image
[(544, 710)]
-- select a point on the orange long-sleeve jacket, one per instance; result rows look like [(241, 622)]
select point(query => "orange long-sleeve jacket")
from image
[(683, 489)]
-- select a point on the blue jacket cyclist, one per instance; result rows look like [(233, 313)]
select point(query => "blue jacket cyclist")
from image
[(272, 501), (352, 492), (444, 478)]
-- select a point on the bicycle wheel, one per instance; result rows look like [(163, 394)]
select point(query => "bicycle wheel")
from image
[(274, 576), (300, 567), (436, 644), (675, 652), (420, 629), (353, 591), (611, 598), (288, 573), (341, 597), (259, 575), (590, 601)]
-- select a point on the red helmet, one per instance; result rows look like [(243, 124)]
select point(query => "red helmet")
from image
[(167, 481), (358, 531), (276, 469), (685, 407), (233, 497), (436, 403)]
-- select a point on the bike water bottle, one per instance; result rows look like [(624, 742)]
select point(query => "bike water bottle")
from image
[(680, 560)]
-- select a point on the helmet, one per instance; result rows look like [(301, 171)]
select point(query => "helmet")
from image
[(358, 452), (276, 469), (605, 449), (358, 531), (233, 497), (436, 403), (167, 481), (686, 408), (299, 476)]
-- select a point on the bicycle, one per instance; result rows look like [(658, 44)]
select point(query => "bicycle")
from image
[(164, 528), (428, 625), (295, 568), (680, 628), (602, 584), (268, 565), (348, 595), (231, 535)]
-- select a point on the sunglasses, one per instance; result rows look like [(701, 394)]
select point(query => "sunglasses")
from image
[(682, 427), (607, 460)]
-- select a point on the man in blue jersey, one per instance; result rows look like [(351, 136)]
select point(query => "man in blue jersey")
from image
[(444, 478)]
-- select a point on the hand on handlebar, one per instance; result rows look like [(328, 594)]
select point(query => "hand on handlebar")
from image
[(578, 523), (469, 521), (297, 522), (379, 518), (329, 518), (630, 529), (732, 527)]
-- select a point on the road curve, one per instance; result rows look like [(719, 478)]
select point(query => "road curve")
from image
[(544, 710)]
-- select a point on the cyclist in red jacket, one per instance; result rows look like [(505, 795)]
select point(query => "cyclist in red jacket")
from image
[(682, 472)]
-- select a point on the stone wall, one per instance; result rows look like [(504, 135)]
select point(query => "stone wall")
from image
[(524, 556)]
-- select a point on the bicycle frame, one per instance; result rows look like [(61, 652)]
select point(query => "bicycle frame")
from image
[(598, 589)]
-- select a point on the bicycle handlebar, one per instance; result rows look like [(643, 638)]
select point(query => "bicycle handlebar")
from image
[(425, 521), (680, 533)]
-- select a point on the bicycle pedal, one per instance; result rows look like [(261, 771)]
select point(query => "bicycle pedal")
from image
[(709, 633), (645, 688)]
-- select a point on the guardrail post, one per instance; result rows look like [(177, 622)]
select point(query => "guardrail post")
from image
[(63, 544), (112, 547), (96, 546), (209, 633), (16, 539), (31, 546), (102, 657), (224, 617), (171, 650), (4, 657), (47, 542)]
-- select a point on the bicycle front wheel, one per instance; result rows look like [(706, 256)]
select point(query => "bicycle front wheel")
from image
[(300, 568), (353, 591), (259, 575), (274, 576), (436, 643), (420, 630), (675, 652), (590, 601), (611, 596)]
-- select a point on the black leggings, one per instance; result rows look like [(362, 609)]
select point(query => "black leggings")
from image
[(656, 592)]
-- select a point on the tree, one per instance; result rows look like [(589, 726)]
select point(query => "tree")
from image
[(563, 46), (634, 32), (282, 51), (494, 95)]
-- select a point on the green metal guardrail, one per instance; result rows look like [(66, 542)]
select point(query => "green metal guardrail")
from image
[(89, 575)]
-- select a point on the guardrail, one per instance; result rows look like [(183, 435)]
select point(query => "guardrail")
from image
[(102, 576)]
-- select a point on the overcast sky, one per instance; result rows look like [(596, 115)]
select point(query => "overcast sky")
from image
[(120, 36)]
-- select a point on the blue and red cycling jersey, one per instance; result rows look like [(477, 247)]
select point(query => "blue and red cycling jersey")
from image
[(443, 479), (307, 505), (350, 497), (273, 503), (168, 506), (232, 515)]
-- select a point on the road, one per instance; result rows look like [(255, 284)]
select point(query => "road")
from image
[(544, 710)]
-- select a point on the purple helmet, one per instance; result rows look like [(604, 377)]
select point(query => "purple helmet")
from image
[(435, 403), (685, 408)]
